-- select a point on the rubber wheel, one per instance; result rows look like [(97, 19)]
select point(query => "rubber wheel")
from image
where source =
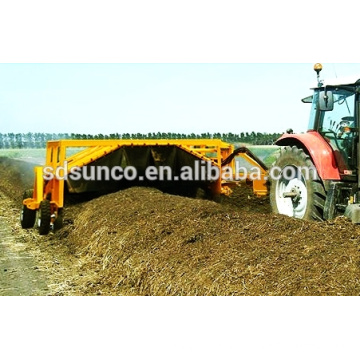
[(27, 216), (292, 191), (59, 220), (44, 217)]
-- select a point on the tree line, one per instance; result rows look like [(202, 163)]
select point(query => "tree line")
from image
[(32, 140)]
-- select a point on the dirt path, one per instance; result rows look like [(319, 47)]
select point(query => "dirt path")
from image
[(19, 271)]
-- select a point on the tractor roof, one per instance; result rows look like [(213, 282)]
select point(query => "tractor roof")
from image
[(349, 80)]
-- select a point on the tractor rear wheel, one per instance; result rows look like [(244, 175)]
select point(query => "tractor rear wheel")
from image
[(295, 188), (28, 216), (44, 217)]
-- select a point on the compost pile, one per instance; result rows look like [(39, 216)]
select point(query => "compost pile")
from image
[(15, 177), (140, 241)]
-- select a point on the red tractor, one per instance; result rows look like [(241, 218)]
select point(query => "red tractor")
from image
[(318, 171)]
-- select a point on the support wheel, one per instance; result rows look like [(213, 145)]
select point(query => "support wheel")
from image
[(59, 220), (297, 190), (44, 217), (27, 216)]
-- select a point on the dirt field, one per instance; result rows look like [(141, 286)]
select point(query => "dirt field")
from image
[(141, 241)]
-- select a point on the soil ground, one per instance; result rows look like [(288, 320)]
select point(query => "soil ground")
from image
[(19, 273), (140, 241)]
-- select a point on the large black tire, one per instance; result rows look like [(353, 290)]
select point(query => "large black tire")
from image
[(294, 191), (44, 217), (27, 216)]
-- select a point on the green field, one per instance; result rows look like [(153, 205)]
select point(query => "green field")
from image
[(266, 153), (22, 153), (31, 155), (36, 156)]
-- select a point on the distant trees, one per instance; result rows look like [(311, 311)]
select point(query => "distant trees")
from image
[(38, 140)]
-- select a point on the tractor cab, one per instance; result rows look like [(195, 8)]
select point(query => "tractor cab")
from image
[(335, 116)]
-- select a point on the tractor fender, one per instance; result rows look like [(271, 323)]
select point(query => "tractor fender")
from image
[(318, 149)]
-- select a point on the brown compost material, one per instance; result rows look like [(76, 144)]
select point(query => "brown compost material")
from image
[(141, 241)]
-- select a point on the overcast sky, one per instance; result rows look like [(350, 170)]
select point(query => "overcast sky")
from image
[(185, 98)]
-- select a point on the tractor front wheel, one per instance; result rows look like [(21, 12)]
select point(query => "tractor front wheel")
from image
[(295, 188)]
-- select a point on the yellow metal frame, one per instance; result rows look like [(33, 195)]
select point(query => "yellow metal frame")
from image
[(260, 187), (212, 150)]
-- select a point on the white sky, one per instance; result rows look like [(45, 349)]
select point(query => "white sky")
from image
[(187, 67), (184, 98)]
